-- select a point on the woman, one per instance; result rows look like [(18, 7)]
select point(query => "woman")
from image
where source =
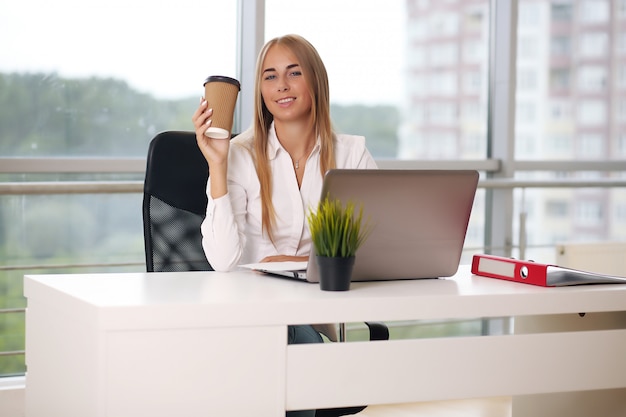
[(263, 182)]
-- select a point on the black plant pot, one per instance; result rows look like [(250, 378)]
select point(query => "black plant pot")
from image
[(335, 273)]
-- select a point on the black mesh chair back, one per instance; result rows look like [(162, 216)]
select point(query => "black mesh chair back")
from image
[(174, 203)]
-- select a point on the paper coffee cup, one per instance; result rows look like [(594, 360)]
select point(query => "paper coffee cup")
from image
[(221, 94)]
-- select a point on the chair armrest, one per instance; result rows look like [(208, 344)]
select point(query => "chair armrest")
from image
[(378, 330)]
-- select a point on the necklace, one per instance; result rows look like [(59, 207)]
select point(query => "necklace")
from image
[(296, 163)]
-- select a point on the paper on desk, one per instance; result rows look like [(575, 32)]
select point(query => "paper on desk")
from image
[(277, 266)]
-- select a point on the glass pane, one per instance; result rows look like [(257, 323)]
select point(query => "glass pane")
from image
[(92, 78), (411, 76), (102, 77), (43, 234), (570, 106), (570, 73)]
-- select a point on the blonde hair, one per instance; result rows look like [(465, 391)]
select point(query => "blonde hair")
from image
[(314, 72)]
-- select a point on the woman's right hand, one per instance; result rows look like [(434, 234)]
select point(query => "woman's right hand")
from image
[(215, 151)]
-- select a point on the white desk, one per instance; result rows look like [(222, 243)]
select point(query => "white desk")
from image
[(215, 344)]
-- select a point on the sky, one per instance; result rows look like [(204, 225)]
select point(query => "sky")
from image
[(168, 48)]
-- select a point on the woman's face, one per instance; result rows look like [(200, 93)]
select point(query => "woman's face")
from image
[(284, 87)]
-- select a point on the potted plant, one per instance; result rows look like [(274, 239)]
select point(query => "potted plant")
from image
[(337, 232)]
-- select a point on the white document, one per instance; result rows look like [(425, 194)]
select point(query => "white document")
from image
[(277, 266)]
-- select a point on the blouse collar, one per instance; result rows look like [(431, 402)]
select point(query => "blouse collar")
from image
[(274, 145)]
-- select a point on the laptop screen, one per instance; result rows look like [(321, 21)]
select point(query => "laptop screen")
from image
[(419, 220)]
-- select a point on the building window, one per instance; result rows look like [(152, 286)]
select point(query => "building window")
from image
[(620, 212), (561, 12), (557, 208), (526, 80), (589, 213), (621, 111), (620, 8), (559, 145), (561, 45), (529, 14), (525, 146), (560, 79), (443, 54), (621, 145), (591, 145), (561, 110), (621, 76), (621, 43), (592, 78), (444, 24), (525, 113), (472, 82), (594, 45), (442, 145), (473, 52), (592, 112), (443, 83), (417, 58), (527, 48), (594, 11), (442, 113)]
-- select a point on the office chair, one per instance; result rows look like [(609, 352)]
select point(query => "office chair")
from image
[(174, 205)]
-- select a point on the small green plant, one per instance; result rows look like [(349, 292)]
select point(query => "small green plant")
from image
[(337, 231)]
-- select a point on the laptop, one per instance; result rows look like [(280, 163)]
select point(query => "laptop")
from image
[(418, 221)]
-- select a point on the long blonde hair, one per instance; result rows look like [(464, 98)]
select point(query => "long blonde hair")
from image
[(316, 76)]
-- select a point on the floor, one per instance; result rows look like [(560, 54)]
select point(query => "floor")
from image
[(483, 407)]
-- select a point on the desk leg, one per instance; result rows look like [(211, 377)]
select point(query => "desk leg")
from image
[(196, 372), (605, 403)]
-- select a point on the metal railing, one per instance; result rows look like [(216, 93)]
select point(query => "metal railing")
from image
[(112, 187)]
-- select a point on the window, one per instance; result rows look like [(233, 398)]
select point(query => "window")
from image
[(527, 80), (589, 213), (557, 208), (443, 54), (529, 14), (473, 51), (561, 45), (594, 11), (621, 110), (443, 83), (473, 19), (444, 24), (431, 51), (621, 77), (620, 8), (562, 11), (593, 45), (559, 145), (621, 145), (442, 113), (560, 79), (592, 78), (620, 212), (472, 82), (561, 110), (92, 80), (591, 145), (526, 113), (621, 43), (527, 48), (574, 118), (592, 112), (525, 146)]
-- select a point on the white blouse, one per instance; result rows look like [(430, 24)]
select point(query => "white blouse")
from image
[(232, 230)]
